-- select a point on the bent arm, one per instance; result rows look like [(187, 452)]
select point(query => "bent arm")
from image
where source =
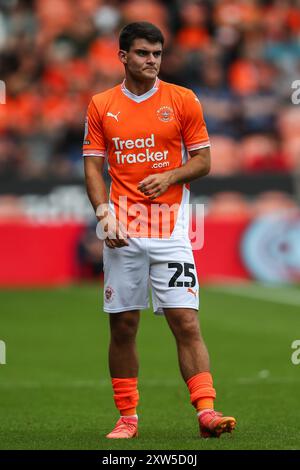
[(196, 167)]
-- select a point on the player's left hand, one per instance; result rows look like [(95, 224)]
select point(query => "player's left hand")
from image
[(155, 185)]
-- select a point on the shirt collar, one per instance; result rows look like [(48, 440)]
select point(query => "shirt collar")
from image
[(140, 98)]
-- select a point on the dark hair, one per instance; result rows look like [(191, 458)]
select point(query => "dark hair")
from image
[(139, 30)]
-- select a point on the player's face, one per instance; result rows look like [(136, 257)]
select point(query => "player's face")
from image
[(143, 59)]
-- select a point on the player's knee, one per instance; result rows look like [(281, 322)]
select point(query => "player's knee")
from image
[(124, 329), (187, 328)]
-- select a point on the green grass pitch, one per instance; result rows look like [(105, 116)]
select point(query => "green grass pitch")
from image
[(55, 391)]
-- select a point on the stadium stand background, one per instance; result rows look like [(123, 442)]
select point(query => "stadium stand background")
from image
[(240, 57)]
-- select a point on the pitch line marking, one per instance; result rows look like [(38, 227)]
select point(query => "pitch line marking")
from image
[(286, 297), (80, 384), (268, 381)]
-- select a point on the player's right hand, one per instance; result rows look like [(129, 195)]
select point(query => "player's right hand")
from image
[(116, 238), (113, 233)]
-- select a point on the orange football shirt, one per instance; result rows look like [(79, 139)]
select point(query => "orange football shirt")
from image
[(140, 136)]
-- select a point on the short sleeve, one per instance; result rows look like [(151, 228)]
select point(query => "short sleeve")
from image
[(194, 130), (93, 143)]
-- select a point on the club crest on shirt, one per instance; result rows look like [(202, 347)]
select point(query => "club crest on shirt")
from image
[(165, 114), (109, 293)]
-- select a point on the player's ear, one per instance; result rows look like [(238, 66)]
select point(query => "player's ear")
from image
[(122, 56)]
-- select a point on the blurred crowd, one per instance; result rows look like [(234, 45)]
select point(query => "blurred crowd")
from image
[(239, 56)]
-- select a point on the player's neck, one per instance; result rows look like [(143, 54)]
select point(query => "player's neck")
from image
[(139, 87)]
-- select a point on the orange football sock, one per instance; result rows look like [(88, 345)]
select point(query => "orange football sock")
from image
[(126, 395), (201, 390), (129, 412), (204, 404)]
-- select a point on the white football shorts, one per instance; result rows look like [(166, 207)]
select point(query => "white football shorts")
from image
[(166, 267)]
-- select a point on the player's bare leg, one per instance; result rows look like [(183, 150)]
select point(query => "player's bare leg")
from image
[(123, 359), (123, 365), (194, 366), (192, 352)]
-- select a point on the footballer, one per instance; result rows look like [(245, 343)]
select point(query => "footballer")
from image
[(155, 141)]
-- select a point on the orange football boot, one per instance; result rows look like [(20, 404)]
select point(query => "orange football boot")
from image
[(126, 428), (213, 424)]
